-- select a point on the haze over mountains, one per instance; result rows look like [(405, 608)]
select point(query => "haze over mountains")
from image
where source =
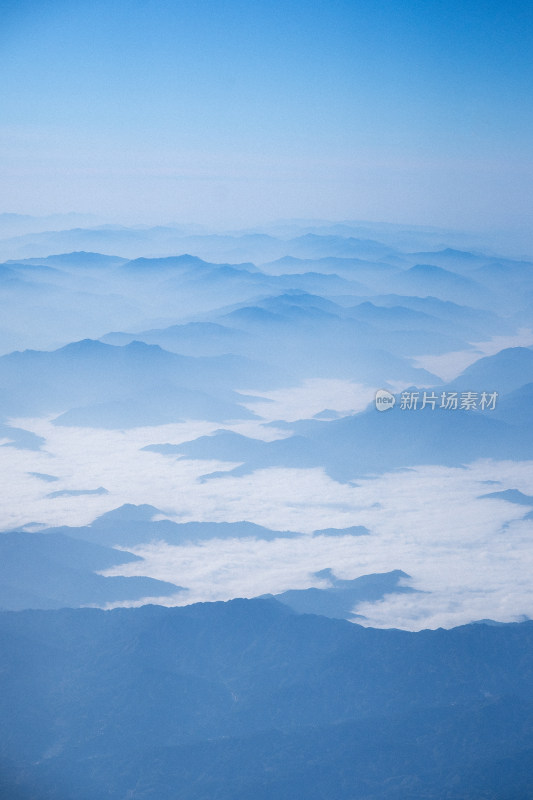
[(224, 383), (218, 560), (194, 275), (267, 489)]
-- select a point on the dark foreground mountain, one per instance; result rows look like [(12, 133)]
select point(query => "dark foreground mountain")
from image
[(246, 699)]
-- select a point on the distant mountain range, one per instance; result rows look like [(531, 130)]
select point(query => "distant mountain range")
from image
[(241, 337), (153, 277)]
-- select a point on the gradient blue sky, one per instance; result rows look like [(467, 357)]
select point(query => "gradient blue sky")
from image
[(232, 113)]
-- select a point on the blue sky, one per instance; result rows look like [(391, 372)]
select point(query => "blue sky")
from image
[(238, 112)]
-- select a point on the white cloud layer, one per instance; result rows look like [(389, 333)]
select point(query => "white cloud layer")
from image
[(470, 558)]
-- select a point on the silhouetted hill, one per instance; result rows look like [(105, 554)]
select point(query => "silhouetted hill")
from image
[(311, 335), (474, 324), (20, 439), (52, 570), (352, 530), (340, 599), (79, 258), (512, 496), (449, 258), (97, 384), (427, 280), (131, 525), (190, 339), (504, 372)]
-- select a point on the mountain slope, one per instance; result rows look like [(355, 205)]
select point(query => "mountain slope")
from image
[(46, 571), (246, 699)]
